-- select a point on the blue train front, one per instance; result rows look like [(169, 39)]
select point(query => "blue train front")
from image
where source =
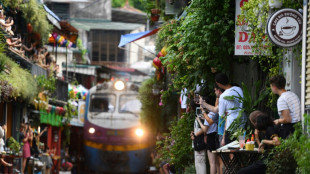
[(114, 141)]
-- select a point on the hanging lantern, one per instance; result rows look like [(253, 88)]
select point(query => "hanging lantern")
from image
[(54, 35), (160, 54), (29, 28), (51, 39), (157, 63), (65, 42), (69, 44), (164, 51)]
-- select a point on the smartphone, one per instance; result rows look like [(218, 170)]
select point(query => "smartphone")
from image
[(198, 111)]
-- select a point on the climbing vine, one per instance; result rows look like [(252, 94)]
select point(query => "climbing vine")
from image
[(199, 45), (255, 14)]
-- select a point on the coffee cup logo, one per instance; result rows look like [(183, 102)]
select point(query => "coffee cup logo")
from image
[(287, 30)]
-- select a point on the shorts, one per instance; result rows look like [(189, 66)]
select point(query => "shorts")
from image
[(212, 141)]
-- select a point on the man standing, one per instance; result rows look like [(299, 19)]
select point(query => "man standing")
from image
[(288, 105), (228, 109)]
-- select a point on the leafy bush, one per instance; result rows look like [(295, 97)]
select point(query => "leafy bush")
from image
[(13, 145), (292, 156), (22, 82), (46, 83), (177, 146), (150, 111), (202, 41)]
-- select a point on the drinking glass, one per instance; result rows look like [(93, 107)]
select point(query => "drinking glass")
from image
[(241, 141)]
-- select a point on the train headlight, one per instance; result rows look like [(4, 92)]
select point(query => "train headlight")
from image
[(91, 130), (119, 85), (139, 132)]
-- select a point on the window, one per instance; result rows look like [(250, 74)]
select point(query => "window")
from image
[(102, 103), (129, 103), (62, 10), (105, 46)]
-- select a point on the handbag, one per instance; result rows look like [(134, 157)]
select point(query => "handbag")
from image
[(199, 143)]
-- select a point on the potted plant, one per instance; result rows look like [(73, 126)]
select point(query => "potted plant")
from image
[(155, 11)]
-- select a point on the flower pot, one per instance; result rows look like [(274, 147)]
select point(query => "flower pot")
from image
[(155, 11), (275, 3), (154, 18)]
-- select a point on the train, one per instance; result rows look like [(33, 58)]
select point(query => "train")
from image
[(114, 139)]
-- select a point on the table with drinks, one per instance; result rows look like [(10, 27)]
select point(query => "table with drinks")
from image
[(14, 159), (235, 157)]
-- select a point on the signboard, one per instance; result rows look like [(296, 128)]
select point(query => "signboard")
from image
[(242, 35), (285, 27)]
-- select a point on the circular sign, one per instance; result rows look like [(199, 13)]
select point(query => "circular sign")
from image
[(285, 27)]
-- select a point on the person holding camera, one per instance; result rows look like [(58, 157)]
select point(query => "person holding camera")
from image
[(212, 143), (198, 144)]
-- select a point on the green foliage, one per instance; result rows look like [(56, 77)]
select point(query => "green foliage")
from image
[(82, 49), (23, 84), (46, 83), (292, 156), (34, 13), (256, 13), (249, 104), (67, 118), (12, 3), (177, 146), (151, 111), (201, 41), (13, 145)]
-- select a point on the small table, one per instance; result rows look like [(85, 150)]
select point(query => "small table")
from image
[(240, 159)]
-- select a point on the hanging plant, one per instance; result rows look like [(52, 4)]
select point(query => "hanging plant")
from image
[(34, 14)]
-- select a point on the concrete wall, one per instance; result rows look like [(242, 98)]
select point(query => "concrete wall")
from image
[(292, 72), (95, 9)]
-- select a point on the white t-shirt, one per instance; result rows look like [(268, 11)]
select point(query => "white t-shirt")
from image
[(212, 127), (289, 100), (225, 106)]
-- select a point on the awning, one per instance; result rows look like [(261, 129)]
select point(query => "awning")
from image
[(97, 24), (52, 17), (81, 69), (127, 38)]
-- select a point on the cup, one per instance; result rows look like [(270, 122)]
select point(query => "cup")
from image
[(241, 141)]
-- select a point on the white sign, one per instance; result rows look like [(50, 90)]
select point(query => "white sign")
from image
[(242, 35), (285, 27)]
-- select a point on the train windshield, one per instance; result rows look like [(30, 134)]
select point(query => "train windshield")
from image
[(129, 104), (102, 103)]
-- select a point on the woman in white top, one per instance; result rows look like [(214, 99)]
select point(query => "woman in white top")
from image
[(210, 127)]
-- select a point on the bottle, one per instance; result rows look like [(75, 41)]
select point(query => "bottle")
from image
[(252, 138)]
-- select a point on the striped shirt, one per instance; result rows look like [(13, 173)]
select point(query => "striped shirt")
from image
[(289, 100)]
